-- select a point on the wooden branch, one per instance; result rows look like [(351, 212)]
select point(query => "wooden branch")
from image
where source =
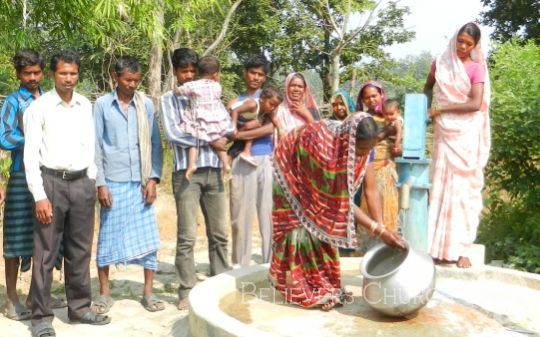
[(317, 48), (333, 22), (224, 28), (360, 29)]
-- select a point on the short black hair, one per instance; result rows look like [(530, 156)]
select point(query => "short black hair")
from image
[(389, 103), (208, 65), (66, 55), (184, 57), (128, 63), (367, 129), (27, 57), (472, 29), (270, 92), (257, 61)]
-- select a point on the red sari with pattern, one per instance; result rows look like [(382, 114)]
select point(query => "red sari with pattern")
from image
[(317, 175)]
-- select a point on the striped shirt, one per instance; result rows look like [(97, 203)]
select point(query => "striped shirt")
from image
[(173, 109), (11, 127)]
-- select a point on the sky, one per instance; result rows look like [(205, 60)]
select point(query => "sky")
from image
[(435, 22)]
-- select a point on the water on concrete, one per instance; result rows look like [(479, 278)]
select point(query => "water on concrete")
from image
[(465, 303)]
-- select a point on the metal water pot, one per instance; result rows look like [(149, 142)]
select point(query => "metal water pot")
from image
[(397, 283)]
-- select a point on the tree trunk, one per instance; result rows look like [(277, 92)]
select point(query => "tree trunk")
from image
[(170, 80), (155, 62), (334, 70)]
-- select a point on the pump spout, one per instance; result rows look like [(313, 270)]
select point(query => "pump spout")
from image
[(405, 193)]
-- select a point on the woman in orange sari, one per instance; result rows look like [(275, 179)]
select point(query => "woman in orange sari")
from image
[(461, 145), (371, 98), (318, 169)]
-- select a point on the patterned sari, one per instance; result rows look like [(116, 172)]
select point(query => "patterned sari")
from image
[(385, 171), (317, 174), (460, 153)]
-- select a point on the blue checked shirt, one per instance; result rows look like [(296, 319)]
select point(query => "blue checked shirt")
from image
[(11, 126), (172, 116)]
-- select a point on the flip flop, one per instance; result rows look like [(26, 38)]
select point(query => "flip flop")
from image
[(92, 318), (152, 303), (26, 263), (102, 304), (17, 312), (43, 329)]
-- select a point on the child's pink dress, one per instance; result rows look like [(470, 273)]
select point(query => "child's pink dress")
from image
[(207, 118)]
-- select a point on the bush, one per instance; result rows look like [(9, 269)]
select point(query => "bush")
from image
[(511, 228)]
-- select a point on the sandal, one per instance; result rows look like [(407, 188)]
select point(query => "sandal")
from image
[(92, 318), (17, 312), (102, 304), (43, 329), (152, 303), (26, 263)]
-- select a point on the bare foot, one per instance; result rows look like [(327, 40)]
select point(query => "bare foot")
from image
[(190, 171), (463, 262), (328, 305), (183, 304)]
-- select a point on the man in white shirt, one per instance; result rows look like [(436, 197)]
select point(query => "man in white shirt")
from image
[(60, 170)]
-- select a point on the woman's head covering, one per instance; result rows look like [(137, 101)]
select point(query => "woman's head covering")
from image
[(346, 97), (319, 173), (452, 85), (288, 119), (308, 96), (360, 105)]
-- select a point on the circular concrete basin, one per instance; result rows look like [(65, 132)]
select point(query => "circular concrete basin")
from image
[(483, 301)]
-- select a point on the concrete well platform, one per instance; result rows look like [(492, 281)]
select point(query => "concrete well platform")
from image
[(482, 301)]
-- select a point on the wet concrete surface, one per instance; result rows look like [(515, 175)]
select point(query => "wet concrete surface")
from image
[(465, 303)]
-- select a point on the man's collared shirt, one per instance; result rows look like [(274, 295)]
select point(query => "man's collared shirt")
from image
[(117, 141), (172, 116), (11, 126), (58, 135)]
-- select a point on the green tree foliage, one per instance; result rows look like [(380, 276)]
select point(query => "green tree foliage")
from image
[(299, 35), (511, 228), (408, 76), (513, 18)]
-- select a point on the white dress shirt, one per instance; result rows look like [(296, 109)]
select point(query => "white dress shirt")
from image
[(58, 135)]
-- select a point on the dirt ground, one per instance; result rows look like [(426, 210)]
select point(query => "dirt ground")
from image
[(129, 318)]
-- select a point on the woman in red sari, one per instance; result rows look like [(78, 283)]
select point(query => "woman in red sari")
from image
[(318, 169)]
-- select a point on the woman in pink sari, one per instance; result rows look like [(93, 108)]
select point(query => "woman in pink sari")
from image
[(460, 117), (298, 107)]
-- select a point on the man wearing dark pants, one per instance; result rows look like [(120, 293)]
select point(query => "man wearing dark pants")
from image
[(60, 170), (205, 188)]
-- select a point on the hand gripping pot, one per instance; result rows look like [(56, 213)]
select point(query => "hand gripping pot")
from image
[(397, 283)]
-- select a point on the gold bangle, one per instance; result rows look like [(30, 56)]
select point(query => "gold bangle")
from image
[(373, 226), (383, 229)]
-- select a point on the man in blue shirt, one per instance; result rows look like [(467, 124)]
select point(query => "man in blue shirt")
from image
[(129, 163), (18, 212), (205, 187), (251, 186)]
